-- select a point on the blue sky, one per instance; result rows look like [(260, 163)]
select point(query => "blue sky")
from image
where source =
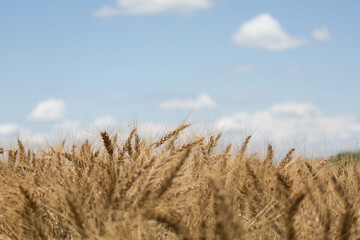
[(289, 68)]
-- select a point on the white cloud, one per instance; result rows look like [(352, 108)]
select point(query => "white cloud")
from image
[(322, 34), (35, 139), (68, 124), (107, 11), (202, 101), (103, 123), (51, 110), (151, 130), (245, 68), (8, 128), (265, 32), (9, 133), (355, 127), (288, 120), (140, 7), (295, 109)]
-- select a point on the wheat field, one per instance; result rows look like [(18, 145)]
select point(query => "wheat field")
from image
[(172, 189)]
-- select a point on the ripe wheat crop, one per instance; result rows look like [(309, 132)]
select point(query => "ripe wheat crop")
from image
[(171, 189)]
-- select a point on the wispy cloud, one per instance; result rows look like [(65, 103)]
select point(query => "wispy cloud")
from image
[(152, 129), (141, 7), (103, 122), (36, 139), (279, 123), (265, 32), (51, 110), (322, 34), (8, 128), (67, 126), (202, 101), (10, 132), (242, 68), (286, 120)]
